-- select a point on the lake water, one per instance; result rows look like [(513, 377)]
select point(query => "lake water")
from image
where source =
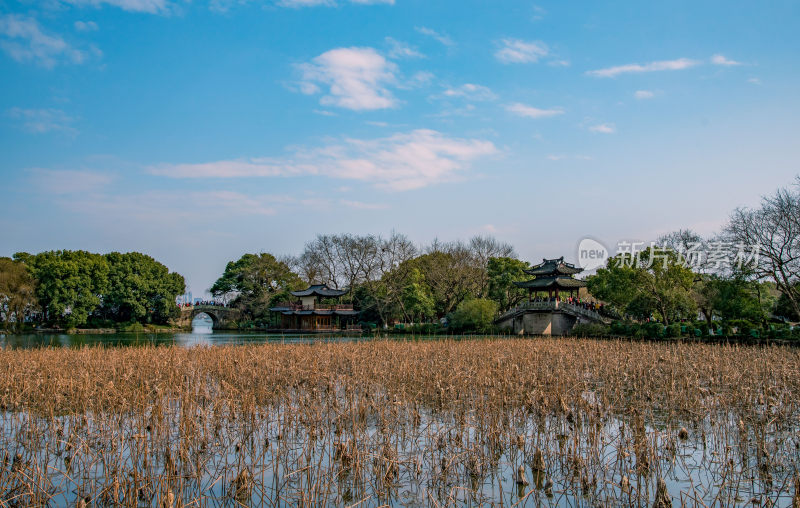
[(186, 339)]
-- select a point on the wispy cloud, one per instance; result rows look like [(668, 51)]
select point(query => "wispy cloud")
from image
[(398, 49), (86, 26), (754, 81), (643, 94), (161, 206), (470, 91), (399, 162), (63, 182), (662, 65), (603, 128), (444, 39), (147, 6), (519, 51), (23, 39), (356, 78), (721, 60), (520, 109), (359, 205), (314, 3), (560, 157), (40, 121)]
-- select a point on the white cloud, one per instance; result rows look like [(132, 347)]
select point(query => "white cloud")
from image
[(398, 49), (603, 128), (754, 81), (519, 51), (444, 39), (304, 3), (559, 157), (721, 60), (314, 3), (663, 65), (23, 39), (64, 182), (356, 78), (147, 6), (417, 80), (358, 205), (163, 206), (644, 94), (398, 162), (86, 26), (40, 121), (471, 91), (520, 109)]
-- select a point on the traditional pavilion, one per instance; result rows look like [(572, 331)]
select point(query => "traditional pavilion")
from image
[(553, 276), (308, 314), (549, 315)]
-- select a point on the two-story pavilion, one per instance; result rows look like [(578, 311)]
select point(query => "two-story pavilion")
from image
[(554, 276), (308, 314), (550, 311)]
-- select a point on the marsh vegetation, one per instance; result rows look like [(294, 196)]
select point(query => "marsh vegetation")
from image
[(522, 422)]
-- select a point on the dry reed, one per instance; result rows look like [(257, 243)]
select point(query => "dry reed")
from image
[(516, 421)]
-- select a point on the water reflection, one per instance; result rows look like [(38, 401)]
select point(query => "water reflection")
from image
[(202, 324), (185, 339)]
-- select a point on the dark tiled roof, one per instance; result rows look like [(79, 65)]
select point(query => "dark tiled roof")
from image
[(320, 290), (315, 312), (551, 283), (553, 267), (346, 312)]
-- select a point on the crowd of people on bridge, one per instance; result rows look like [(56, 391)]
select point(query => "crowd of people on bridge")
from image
[(213, 303), (572, 300)]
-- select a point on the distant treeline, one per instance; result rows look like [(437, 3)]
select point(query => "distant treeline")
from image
[(392, 280), (692, 278), (77, 288)]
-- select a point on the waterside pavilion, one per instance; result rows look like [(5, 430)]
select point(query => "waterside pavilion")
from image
[(550, 314), (307, 314), (554, 276)]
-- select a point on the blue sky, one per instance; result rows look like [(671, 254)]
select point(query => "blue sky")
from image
[(197, 131)]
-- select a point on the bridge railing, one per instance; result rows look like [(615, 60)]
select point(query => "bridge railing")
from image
[(218, 307), (553, 305)]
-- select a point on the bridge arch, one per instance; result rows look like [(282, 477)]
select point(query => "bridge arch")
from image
[(215, 318)]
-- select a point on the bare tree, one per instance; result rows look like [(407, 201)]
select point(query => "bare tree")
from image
[(774, 230)]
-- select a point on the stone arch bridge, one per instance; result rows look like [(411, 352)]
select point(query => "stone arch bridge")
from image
[(220, 315)]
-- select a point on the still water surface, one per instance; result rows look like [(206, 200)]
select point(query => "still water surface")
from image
[(186, 339)]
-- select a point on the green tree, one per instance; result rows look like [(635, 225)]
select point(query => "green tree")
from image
[(655, 282), (416, 298), (17, 293), (70, 284), (503, 272), (140, 289), (738, 298), (256, 282), (448, 277), (474, 315)]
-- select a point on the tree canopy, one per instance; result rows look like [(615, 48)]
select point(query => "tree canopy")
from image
[(17, 293), (73, 286), (655, 283), (255, 282)]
